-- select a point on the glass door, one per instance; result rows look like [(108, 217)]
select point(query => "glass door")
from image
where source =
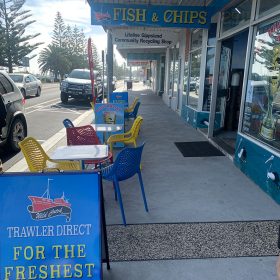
[(223, 89)]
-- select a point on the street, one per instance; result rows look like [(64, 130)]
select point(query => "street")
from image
[(44, 117)]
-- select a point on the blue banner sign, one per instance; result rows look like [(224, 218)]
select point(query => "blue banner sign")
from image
[(50, 226), (150, 15), (119, 97), (109, 113)]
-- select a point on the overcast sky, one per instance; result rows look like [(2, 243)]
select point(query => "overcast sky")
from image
[(73, 12)]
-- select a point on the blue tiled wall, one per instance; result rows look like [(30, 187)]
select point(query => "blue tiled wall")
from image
[(194, 117), (254, 166)]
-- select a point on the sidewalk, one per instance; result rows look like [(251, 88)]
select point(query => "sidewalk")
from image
[(206, 219)]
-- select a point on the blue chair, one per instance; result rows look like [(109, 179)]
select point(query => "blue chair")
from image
[(67, 123), (126, 165), (133, 114)]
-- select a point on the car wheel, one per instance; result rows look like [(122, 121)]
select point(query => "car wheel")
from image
[(64, 97), (38, 92), (23, 92), (17, 134)]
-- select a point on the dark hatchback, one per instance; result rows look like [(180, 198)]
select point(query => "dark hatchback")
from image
[(15, 129)]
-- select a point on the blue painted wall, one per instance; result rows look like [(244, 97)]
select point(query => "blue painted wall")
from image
[(254, 166), (196, 118)]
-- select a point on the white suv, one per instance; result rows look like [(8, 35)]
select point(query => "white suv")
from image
[(16, 125), (78, 85)]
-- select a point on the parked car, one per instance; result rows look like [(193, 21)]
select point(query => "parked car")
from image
[(16, 125), (27, 83), (78, 85), (192, 87)]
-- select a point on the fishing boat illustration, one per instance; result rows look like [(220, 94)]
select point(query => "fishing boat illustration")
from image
[(102, 16), (44, 207)]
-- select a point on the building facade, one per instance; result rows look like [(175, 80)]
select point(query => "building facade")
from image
[(222, 78), (230, 86)]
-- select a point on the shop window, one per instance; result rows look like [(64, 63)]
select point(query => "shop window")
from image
[(171, 70), (176, 70), (196, 39), (266, 7), (174, 64), (186, 68), (262, 104), (236, 16), (194, 78), (208, 79), (212, 35), (185, 87)]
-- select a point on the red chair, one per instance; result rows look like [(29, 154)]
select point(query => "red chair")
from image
[(86, 135)]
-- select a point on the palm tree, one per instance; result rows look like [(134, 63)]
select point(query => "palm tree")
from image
[(54, 59)]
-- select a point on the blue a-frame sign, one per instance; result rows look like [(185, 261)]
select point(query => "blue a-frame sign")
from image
[(50, 226)]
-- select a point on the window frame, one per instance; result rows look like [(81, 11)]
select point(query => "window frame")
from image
[(4, 86)]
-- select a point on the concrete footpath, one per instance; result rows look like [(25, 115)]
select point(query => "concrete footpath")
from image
[(206, 219)]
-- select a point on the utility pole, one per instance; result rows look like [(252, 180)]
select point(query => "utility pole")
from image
[(109, 59), (103, 93)]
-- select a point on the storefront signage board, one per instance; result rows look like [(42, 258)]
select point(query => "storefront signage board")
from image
[(119, 97), (125, 38), (110, 113), (142, 56), (150, 15), (50, 226), (143, 63)]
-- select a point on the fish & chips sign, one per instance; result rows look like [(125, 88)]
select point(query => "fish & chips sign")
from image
[(150, 15)]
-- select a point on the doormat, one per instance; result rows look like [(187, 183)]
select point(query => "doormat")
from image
[(192, 240), (198, 149)]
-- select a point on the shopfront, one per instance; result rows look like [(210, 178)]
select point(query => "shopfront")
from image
[(222, 78), (233, 88), (258, 142)]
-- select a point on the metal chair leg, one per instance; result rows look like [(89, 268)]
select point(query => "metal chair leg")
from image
[(143, 191), (115, 191), (120, 200)]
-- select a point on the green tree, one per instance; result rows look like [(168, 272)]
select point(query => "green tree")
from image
[(68, 39), (54, 59), (118, 70), (77, 49), (58, 37), (96, 57), (67, 51), (14, 43), (78, 41)]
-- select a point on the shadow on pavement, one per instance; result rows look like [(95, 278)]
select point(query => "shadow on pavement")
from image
[(74, 104)]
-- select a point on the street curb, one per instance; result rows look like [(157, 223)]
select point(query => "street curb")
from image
[(49, 85), (22, 166)]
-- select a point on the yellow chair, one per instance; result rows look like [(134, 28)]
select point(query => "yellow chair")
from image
[(127, 137), (38, 160), (131, 107)]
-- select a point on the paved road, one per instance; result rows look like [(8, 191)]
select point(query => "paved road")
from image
[(44, 116)]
